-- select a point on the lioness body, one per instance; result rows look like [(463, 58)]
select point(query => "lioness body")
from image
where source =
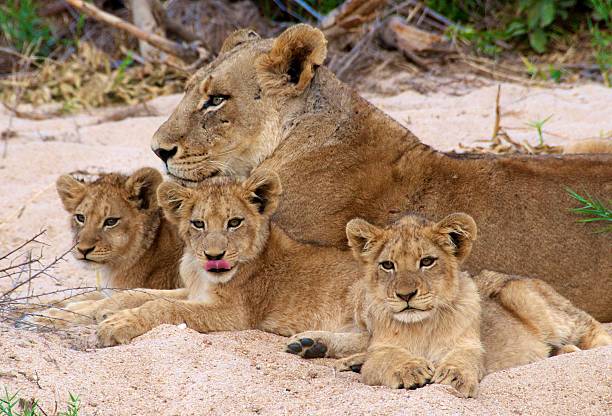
[(268, 281), (340, 157), (427, 322)]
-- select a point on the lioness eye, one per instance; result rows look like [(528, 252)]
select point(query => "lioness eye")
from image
[(234, 222), (80, 218), (111, 222), (427, 261), (387, 265), (215, 101), (198, 225)]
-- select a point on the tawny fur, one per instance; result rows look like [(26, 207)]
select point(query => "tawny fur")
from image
[(590, 146), (275, 284), (339, 157), (142, 250), (443, 330)]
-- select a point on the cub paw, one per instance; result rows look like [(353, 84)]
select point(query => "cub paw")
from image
[(464, 381), (120, 328), (409, 374), (75, 313), (307, 348), (352, 363)]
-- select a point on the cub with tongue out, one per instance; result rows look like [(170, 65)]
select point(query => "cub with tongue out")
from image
[(241, 271)]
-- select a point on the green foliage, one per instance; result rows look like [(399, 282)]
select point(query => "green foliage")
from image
[(324, 6), (593, 209), (539, 125), (601, 39), (24, 29), (13, 405)]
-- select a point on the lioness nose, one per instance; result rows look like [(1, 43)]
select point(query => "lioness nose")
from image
[(214, 256), (406, 296), (85, 251), (165, 154)]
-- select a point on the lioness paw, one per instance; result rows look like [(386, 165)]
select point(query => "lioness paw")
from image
[(119, 328), (408, 374), (464, 381), (307, 348)]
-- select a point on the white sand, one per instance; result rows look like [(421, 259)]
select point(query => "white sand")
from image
[(177, 371)]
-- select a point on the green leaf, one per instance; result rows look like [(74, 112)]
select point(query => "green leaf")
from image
[(546, 12), (538, 40)]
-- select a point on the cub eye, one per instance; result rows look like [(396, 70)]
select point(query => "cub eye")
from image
[(111, 222), (198, 225), (234, 222), (387, 265), (80, 218), (427, 261)]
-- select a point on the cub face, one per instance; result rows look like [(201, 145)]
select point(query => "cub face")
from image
[(112, 218), (224, 222), (411, 267)]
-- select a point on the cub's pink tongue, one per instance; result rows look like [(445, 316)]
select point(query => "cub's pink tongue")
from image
[(217, 264)]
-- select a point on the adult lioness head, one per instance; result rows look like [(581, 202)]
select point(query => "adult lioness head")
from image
[(114, 218), (224, 222), (412, 266), (233, 112)]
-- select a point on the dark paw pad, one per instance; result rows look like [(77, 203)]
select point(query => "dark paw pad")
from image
[(356, 368), (307, 342), (294, 348), (316, 351)]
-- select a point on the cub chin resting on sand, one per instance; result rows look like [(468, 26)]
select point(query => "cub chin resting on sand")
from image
[(425, 321), (120, 230), (239, 270)]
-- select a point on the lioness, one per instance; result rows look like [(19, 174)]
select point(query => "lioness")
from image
[(239, 270), (119, 230), (425, 321), (271, 103)]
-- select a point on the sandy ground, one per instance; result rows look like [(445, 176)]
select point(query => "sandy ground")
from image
[(177, 371)]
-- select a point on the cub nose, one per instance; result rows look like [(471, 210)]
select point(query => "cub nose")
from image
[(406, 296), (214, 256), (85, 251), (165, 154)]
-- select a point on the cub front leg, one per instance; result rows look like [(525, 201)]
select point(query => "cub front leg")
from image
[(126, 325), (395, 368), (322, 344), (462, 369)]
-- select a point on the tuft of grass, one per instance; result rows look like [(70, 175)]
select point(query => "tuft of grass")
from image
[(13, 405), (539, 125), (23, 28), (593, 209)]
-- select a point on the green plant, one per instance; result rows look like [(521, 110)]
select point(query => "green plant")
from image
[(538, 125), (23, 28), (13, 405), (601, 40), (593, 208)]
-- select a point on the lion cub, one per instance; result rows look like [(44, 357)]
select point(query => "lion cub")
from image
[(426, 321), (241, 271), (120, 230)]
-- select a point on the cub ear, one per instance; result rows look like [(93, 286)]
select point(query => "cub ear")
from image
[(238, 37), (289, 66), (457, 232), (362, 237), (263, 190), (142, 187), (171, 197), (70, 191)]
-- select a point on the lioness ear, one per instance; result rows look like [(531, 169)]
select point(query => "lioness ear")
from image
[(289, 66), (238, 37), (457, 232), (263, 190), (71, 191), (171, 197), (362, 236), (142, 187)]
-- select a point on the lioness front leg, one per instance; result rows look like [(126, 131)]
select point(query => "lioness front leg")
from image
[(125, 325), (395, 368), (326, 344)]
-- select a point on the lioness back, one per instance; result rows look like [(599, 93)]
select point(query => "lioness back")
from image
[(119, 229)]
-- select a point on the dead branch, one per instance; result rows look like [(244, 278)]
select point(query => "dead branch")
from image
[(170, 24), (188, 53), (351, 15), (408, 39), (497, 114), (31, 115)]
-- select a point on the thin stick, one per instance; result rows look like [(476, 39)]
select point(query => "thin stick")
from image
[(497, 113), (186, 53)]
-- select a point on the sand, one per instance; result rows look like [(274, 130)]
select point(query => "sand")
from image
[(173, 370)]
